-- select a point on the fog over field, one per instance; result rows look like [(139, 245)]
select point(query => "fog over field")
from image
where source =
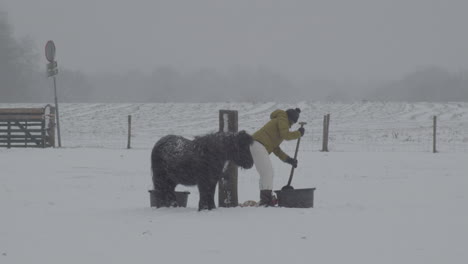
[(246, 50)]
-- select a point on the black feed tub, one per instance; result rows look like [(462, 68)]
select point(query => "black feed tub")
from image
[(296, 198), (181, 198)]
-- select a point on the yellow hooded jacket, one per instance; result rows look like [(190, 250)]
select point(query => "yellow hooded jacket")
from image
[(272, 134)]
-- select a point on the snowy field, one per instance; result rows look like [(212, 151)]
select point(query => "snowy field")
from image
[(369, 127), (382, 196)]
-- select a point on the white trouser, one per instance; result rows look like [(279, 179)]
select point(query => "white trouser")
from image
[(263, 165)]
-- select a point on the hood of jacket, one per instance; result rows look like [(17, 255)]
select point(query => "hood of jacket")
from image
[(278, 113)]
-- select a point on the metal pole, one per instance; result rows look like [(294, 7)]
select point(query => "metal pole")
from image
[(57, 113)]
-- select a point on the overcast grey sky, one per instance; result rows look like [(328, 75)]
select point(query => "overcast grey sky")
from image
[(321, 39)]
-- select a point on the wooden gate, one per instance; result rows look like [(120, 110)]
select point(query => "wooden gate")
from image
[(27, 127)]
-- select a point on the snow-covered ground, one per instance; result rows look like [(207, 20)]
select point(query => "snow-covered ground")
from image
[(382, 196)]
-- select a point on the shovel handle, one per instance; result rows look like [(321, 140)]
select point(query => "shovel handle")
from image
[(295, 155)]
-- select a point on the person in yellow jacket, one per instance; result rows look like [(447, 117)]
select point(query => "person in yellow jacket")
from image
[(267, 140)]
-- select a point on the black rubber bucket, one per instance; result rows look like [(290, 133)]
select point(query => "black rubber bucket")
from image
[(296, 198), (181, 198)]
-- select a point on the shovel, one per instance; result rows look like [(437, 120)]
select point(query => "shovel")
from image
[(288, 186)]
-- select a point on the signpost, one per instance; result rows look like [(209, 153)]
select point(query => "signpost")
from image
[(52, 71), (50, 51)]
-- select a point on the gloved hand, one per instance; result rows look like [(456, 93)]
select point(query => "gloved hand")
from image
[(302, 130), (291, 161)]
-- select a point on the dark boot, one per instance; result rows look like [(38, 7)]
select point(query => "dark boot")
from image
[(266, 198)]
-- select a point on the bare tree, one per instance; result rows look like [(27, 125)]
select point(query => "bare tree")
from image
[(17, 63)]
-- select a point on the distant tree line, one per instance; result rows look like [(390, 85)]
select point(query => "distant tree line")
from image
[(17, 62), (22, 80), (432, 84)]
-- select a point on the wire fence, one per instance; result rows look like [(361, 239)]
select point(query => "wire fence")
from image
[(384, 136), (372, 127)]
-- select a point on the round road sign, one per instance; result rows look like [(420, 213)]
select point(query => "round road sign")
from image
[(50, 51)]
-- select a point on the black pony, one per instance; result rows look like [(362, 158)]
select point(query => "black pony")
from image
[(177, 160)]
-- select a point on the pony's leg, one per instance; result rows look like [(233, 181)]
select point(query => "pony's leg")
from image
[(170, 194), (207, 190), (211, 201), (161, 188), (204, 197)]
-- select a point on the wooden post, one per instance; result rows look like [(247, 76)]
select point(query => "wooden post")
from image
[(227, 187), (129, 131), (324, 147), (326, 124), (328, 129), (43, 132), (25, 134), (434, 135)]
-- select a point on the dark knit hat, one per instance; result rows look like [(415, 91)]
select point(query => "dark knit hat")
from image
[(293, 114)]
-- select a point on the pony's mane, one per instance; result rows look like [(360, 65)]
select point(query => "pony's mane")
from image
[(215, 140), (218, 137), (218, 142)]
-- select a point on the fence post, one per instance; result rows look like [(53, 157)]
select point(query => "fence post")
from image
[(324, 134), (326, 125), (227, 186), (328, 128), (434, 134), (43, 132), (129, 131)]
